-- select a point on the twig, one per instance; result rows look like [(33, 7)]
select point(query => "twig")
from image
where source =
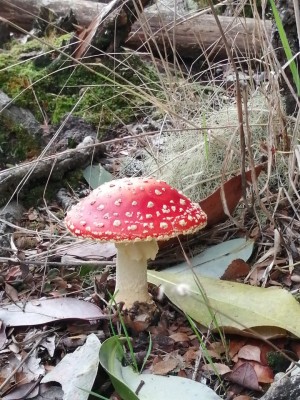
[(57, 263)]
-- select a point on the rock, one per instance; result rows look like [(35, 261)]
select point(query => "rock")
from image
[(287, 388), (11, 213), (19, 116), (75, 133), (20, 132)]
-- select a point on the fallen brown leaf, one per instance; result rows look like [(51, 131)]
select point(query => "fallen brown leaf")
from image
[(249, 352), (164, 367), (220, 368), (216, 349), (236, 343), (245, 376), (180, 337), (191, 354), (11, 292), (264, 373), (237, 269), (213, 205), (13, 273)]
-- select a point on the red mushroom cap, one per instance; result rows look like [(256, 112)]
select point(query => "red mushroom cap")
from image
[(135, 209)]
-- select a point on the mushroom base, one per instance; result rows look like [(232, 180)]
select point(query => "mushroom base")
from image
[(131, 271), (140, 316)]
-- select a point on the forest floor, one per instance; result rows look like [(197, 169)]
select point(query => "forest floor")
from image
[(226, 295)]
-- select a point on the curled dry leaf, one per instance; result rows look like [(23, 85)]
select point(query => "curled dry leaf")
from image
[(213, 205), (236, 343), (249, 352)]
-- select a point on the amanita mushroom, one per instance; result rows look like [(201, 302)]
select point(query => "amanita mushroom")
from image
[(134, 213)]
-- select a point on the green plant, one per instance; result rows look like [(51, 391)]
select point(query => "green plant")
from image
[(131, 359), (286, 47)]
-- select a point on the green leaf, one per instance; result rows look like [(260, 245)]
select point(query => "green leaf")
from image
[(96, 175), (111, 355), (215, 260), (126, 382), (233, 305)]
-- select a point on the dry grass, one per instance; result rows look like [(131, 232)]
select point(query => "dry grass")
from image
[(199, 144)]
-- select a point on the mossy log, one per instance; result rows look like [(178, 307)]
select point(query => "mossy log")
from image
[(189, 36), (54, 166)]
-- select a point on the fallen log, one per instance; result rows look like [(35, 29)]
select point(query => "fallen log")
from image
[(25, 174), (190, 36), (109, 30)]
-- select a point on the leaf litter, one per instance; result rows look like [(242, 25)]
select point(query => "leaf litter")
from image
[(74, 293)]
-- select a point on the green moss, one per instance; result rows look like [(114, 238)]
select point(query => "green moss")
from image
[(15, 143), (277, 361), (60, 86)]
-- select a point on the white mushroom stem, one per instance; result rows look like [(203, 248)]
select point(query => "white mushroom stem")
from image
[(131, 271)]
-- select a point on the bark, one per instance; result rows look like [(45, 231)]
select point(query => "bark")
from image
[(189, 37), (109, 29)]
